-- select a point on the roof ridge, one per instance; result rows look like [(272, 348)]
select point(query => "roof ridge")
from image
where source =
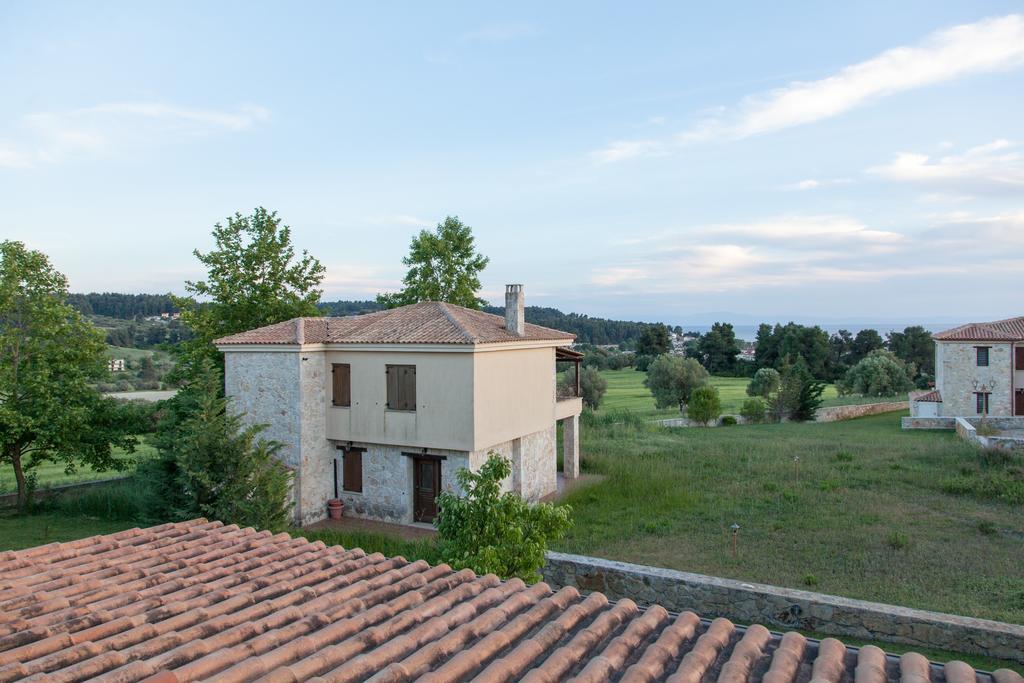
[(443, 305)]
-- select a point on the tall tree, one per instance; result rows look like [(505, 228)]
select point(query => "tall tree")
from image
[(254, 278), (48, 356), (717, 349), (672, 380), (864, 343), (654, 341), (443, 266), (914, 345)]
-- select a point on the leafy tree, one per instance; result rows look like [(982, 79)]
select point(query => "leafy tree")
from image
[(211, 465), (754, 409), (880, 374), (592, 385), (799, 392), (717, 349), (774, 344), (915, 346), (864, 343), (705, 405), (443, 266), (254, 278), (839, 346), (48, 356), (654, 341), (764, 383), (493, 532), (672, 380)]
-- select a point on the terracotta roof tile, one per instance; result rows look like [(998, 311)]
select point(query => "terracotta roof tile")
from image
[(930, 397), (429, 322), (1011, 329), (203, 601)]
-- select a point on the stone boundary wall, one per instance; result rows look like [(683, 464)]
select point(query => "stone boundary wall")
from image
[(41, 494), (928, 423), (966, 429), (785, 608), (838, 413)]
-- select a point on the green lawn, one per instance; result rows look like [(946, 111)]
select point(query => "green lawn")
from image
[(53, 474), (626, 390), (18, 531), (855, 508)]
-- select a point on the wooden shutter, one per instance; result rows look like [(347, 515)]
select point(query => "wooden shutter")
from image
[(341, 383), (401, 388), (1019, 354), (353, 470)]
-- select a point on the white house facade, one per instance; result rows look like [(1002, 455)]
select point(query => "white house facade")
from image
[(979, 370), (382, 410)]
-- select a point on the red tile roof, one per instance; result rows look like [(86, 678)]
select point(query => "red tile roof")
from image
[(428, 322), (1011, 329), (930, 397), (204, 601)]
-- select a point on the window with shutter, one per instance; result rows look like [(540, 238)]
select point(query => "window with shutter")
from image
[(982, 355), (401, 389), (341, 381), (353, 470)]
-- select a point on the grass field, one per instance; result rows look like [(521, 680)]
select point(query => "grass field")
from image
[(857, 508), (53, 474), (626, 391)]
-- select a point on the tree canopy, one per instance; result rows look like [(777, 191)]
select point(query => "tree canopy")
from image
[(717, 349), (672, 380), (49, 355), (881, 373), (253, 278), (442, 266)]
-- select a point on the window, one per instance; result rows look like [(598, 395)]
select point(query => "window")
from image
[(1019, 358), (352, 470), (341, 385), (401, 387), (981, 399), (982, 355)]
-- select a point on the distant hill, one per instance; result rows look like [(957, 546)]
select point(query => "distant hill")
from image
[(123, 306)]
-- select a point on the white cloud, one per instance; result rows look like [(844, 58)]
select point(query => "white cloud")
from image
[(995, 164), (814, 183), (51, 137), (622, 150), (984, 46)]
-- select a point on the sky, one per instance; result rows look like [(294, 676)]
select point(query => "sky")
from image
[(669, 161)]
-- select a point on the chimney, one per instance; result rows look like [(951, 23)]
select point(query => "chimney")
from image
[(300, 331), (515, 314)]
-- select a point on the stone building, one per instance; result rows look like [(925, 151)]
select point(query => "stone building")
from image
[(381, 410), (979, 370)]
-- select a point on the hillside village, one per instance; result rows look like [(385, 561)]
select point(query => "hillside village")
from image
[(270, 410)]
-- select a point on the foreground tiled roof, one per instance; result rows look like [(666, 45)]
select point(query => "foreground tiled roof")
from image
[(198, 600), (930, 397), (1011, 329), (429, 322)]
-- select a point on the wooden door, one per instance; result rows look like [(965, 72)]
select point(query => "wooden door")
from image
[(426, 488), (1019, 408)]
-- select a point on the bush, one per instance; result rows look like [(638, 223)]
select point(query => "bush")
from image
[(764, 383), (493, 532), (123, 501), (592, 386), (705, 405), (880, 373), (754, 409), (728, 421)]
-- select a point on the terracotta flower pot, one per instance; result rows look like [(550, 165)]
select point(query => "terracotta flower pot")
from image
[(335, 508)]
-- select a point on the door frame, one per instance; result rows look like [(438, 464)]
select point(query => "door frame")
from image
[(417, 458)]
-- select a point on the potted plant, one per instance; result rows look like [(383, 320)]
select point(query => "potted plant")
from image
[(334, 508)]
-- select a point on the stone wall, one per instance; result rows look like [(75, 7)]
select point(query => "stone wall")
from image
[(838, 413), (784, 608), (966, 429), (959, 376), (928, 422)]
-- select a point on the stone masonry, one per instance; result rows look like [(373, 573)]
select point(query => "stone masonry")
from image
[(785, 608)]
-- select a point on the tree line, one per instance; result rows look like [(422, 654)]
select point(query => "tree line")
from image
[(123, 306)]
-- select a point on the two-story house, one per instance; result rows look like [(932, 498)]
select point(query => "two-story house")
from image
[(381, 410), (979, 370)]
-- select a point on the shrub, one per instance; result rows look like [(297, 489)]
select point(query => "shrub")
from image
[(880, 373), (897, 540), (493, 532), (124, 501), (592, 386), (764, 383), (810, 580), (728, 420), (705, 405), (754, 409), (987, 528)]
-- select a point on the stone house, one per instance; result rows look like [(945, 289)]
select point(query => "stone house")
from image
[(979, 370), (381, 410)]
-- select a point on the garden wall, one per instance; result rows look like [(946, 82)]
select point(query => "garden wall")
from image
[(928, 422), (838, 413), (784, 608)]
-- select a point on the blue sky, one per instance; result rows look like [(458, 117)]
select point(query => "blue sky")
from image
[(827, 161)]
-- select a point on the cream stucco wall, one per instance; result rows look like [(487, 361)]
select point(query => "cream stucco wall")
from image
[(514, 392), (444, 400), (958, 377)]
